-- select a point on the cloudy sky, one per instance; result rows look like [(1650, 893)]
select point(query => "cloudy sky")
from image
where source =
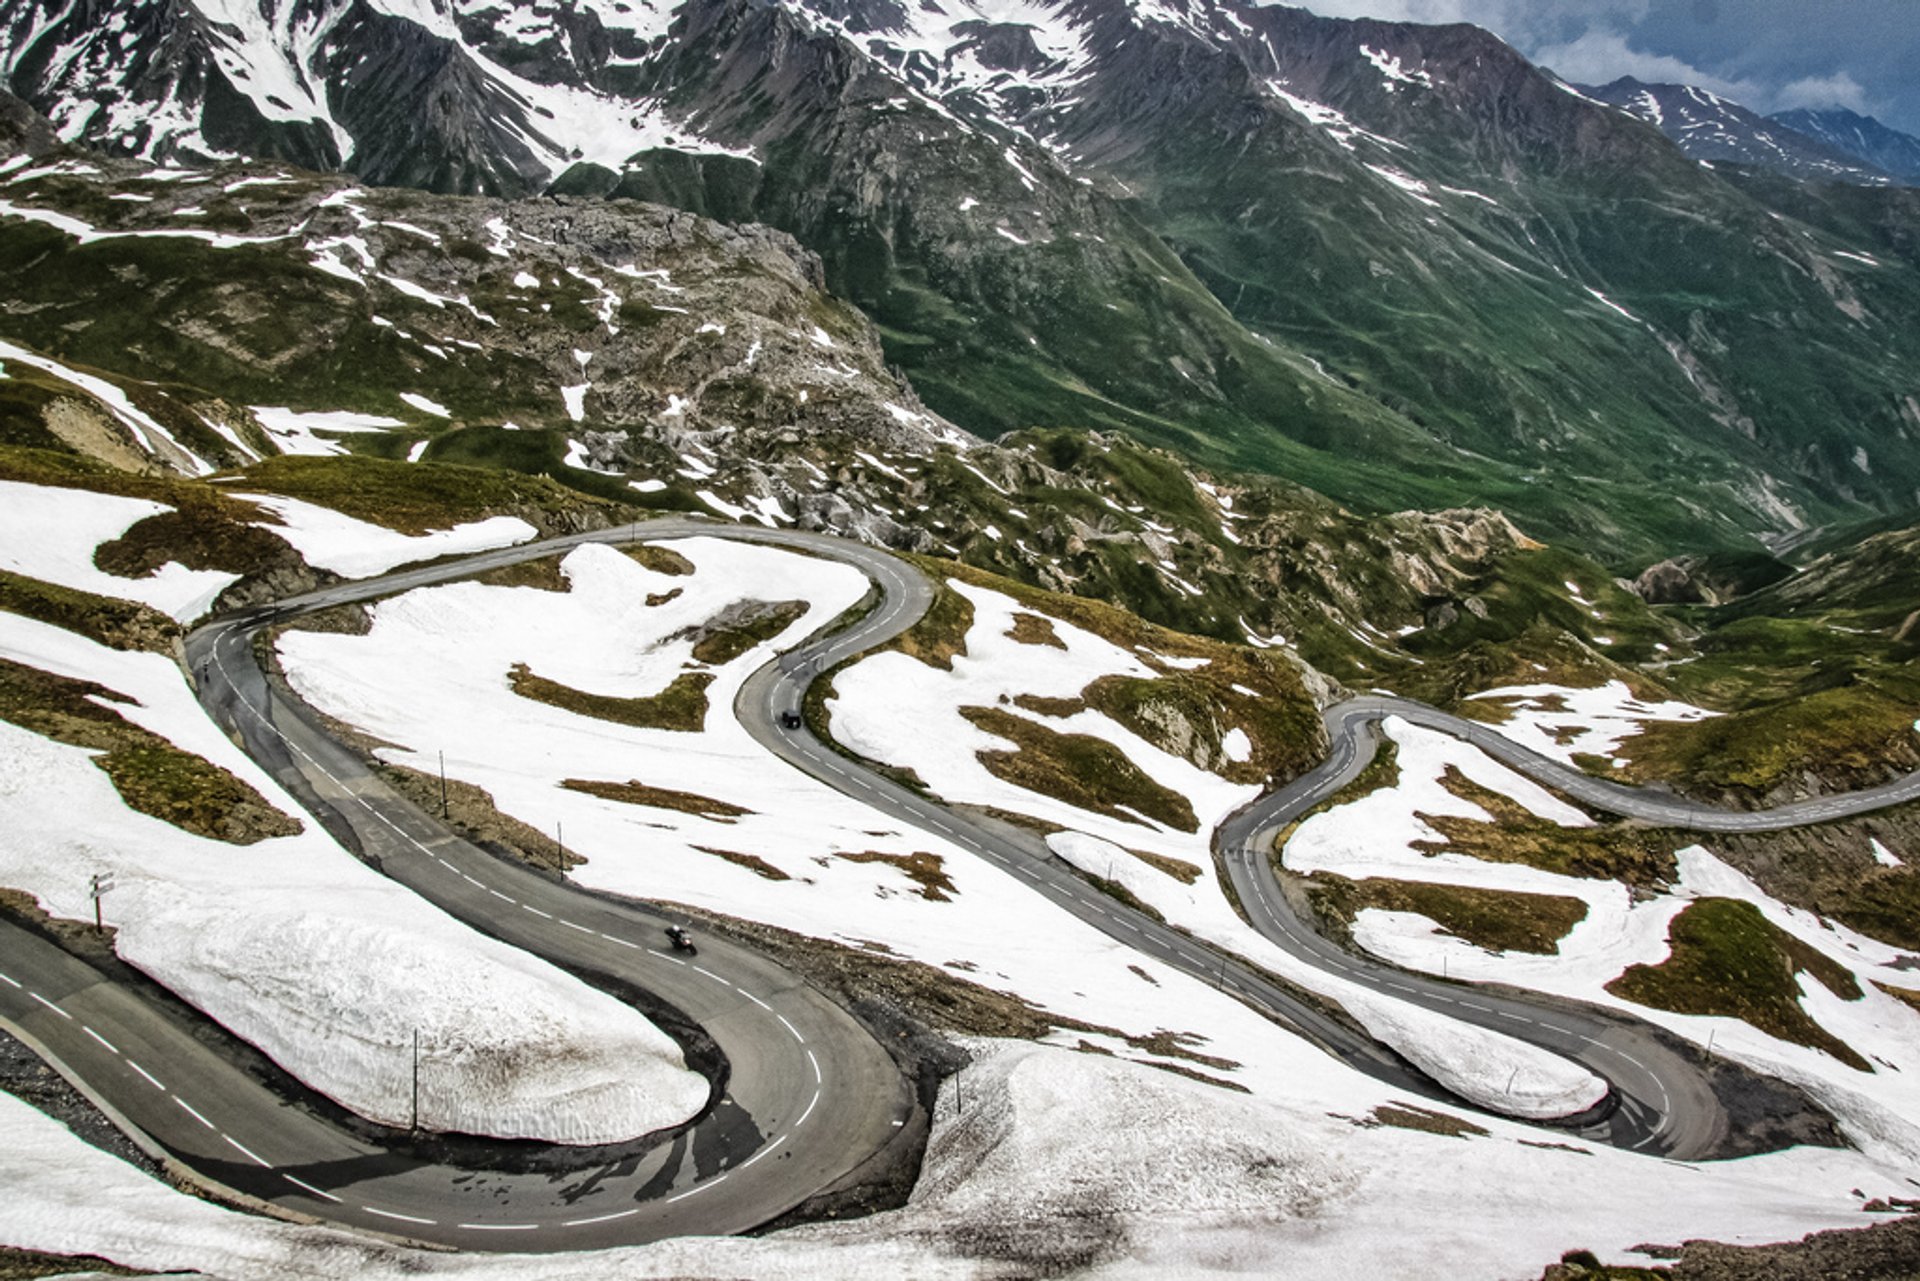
[(1768, 54)]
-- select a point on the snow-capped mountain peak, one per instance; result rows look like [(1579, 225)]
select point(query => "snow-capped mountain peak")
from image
[(1711, 128)]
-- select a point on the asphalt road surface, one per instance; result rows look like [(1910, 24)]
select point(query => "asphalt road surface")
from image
[(809, 1096)]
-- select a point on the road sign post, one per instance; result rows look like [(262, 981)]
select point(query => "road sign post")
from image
[(97, 889)]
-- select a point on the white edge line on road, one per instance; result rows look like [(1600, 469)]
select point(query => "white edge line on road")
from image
[(50, 1005), (601, 1218), (304, 1186), (393, 1214), (247, 1152), (195, 1115), (699, 1187)]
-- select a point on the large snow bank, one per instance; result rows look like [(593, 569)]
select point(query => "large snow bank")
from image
[(51, 534), (1485, 1068), (357, 549), (307, 953), (1374, 836), (1058, 1162)]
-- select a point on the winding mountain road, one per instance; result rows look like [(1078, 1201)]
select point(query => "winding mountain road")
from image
[(809, 1096)]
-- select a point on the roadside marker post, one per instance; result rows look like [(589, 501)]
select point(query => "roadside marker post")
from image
[(97, 890)]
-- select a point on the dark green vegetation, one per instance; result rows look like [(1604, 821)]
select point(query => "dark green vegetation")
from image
[(666, 798), (1086, 772), (1884, 1252), (1497, 920), (1187, 710), (1730, 960), (759, 623), (1820, 672), (117, 624), (1625, 852), (30, 1265), (681, 706), (928, 871), (1243, 287), (152, 775), (414, 498)]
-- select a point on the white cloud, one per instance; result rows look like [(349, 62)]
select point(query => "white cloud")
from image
[(1596, 41), (1837, 90), (1598, 56)]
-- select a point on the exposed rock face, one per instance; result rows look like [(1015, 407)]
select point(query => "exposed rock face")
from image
[(1670, 582), (639, 327), (1181, 220)]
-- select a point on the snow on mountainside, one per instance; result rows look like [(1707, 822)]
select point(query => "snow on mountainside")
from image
[(1860, 136), (1180, 218), (1709, 128), (309, 80)]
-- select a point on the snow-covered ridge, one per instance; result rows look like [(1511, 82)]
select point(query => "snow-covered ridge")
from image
[(278, 56)]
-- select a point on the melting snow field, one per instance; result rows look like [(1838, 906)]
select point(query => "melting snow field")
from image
[(353, 548), (1182, 1178), (1065, 1162), (51, 534), (304, 951), (1375, 836), (1560, 722), (827, 865)]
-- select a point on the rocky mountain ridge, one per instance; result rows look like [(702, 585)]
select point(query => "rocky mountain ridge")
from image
[(1710, 128), (1394, 262), (1860, 136)]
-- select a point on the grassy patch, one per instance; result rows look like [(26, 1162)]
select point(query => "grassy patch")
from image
[(30, 1265), (681, 706), (117, 624), (1085, 772), (663, 798), (152, 775), (417, 498), (1057, 708), (1497, 920), (199, 535), (1033, 629), (757, 625), (1638, 856), (941, 636), (752, 862), (1906, 995), (1852, 735), (1406, 1116), (661, 560), (541, 575), (1729, 960), (1187, 711), (928, 871)]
